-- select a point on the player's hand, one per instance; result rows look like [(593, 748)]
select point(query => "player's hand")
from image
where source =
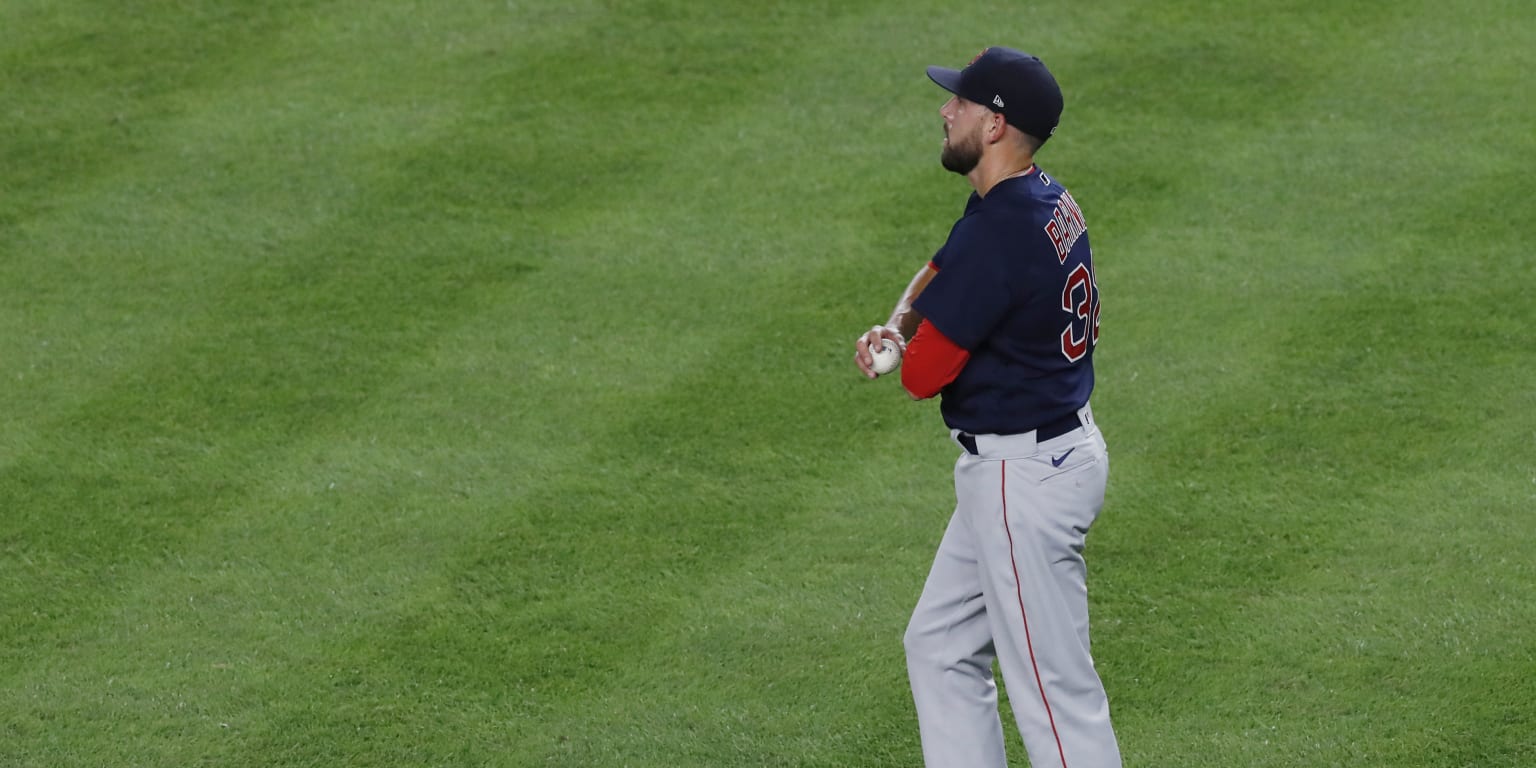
[(873, 337)]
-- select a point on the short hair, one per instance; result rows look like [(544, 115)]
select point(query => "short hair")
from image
[(1030, 142)]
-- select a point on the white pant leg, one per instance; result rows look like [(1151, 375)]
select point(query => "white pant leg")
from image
[(949, 661), (1030, 518)]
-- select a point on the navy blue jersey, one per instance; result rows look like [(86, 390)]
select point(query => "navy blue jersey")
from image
[(1016, 289)]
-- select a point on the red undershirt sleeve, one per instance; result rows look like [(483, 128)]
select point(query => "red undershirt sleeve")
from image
[(931, 362)]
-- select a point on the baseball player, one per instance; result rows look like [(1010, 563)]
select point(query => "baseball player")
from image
[(1003, 322)]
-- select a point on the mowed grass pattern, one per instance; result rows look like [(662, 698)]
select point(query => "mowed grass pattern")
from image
[(468, 384)]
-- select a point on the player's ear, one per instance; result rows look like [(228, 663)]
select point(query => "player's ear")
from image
[(997, 128)]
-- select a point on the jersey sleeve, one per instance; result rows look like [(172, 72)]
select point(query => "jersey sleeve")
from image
[(931, 362), (971, 204), (972, 292)]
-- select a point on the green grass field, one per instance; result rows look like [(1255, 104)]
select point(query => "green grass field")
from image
[(460, 384)]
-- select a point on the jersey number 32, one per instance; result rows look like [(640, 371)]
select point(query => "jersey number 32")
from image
[(1080, 298)]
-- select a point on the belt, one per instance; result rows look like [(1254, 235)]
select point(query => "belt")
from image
[(1044, 432)]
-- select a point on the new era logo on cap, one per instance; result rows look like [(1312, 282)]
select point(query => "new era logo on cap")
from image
[(1011, 82)]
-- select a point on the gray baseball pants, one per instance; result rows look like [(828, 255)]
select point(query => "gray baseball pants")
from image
[(1009, 584)]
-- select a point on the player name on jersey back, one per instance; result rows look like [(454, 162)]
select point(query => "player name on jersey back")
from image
[(1066, 226)]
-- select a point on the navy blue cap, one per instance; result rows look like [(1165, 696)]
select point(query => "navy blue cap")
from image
[(1011, 83)]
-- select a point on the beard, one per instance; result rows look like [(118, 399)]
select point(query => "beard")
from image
[(961, 156)]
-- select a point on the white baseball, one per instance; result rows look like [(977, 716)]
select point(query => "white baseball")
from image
[(886, 358)]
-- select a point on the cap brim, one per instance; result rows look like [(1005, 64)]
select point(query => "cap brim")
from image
[(948, 79)]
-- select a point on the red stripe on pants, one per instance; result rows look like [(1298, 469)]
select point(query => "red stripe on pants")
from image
[(1018, 586)]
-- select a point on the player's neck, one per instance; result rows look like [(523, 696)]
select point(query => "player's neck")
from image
[(996, 167)]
